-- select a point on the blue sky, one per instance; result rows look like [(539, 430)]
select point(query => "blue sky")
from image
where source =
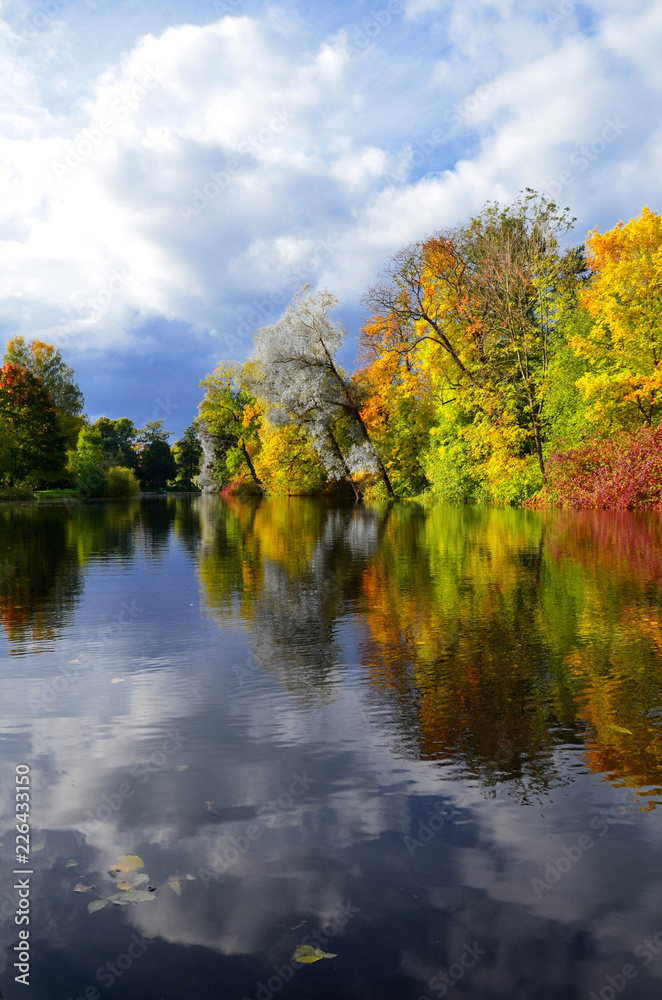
[(172, 173)]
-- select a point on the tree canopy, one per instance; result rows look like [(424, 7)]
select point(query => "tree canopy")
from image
[(32, 446)]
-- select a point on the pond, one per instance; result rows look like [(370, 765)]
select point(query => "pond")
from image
[(425, 741)]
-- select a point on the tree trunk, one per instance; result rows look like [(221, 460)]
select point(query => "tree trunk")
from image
[(384, 474), (249, 464), (348, 474)]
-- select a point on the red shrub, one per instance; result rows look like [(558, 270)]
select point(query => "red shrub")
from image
[(623, 473)]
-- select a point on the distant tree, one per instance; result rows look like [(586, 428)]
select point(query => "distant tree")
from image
[(87, 464), (45, 361), (121, 482), (188, 456), (153, 431), (119, 439), (157, 463), (32, 446)]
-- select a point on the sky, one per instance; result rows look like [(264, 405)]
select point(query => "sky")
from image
[(172, 173)]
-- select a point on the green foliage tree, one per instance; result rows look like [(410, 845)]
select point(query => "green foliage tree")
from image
[(32, 446), (188, 456), (119, 438), (157, 465), (232, 416), (121, 482), (87, 464)]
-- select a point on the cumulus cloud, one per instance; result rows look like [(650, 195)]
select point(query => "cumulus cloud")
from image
[(209, 170)]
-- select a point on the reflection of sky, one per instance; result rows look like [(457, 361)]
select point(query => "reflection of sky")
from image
[(242, 736)]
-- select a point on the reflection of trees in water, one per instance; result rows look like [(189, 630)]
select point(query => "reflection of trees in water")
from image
[(186, 523), (157, 521), (452, 628), (510, 631), (40, 578), (611, 565), (292, 569), (492, 636), (44, 553)]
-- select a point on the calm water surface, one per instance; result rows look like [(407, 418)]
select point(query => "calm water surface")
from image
[(428, 741)]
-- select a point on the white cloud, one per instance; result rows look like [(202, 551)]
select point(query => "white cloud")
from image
[(201, 169)]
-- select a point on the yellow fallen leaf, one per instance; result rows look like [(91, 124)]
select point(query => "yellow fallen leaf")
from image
[(128, 863), (620, 729), (306, 953), (117, 680), (83, 888), (125, 885), (176, 887)]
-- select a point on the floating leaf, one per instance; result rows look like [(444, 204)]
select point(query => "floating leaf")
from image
[(125, 885), (71, 864), (182, 767), (191, 877), (139, 879), (96, 904), (83, 888), (619, 729), (132, 896), (176, 887), (38, 847), (128, 863), (117, 680), (306, 953)]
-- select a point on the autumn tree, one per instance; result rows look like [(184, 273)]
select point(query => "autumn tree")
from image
[(32, 446), (485, 297), (397, 407), (301, 380), (46, 363), (287, 463), (232, 417), (623, 346)]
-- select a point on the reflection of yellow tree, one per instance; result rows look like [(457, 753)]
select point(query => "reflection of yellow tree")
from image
[(503, 627), (287, 567), (453, 624), (615, 658), (493, 636)]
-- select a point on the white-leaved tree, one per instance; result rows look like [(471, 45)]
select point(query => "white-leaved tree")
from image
[(300, 379)]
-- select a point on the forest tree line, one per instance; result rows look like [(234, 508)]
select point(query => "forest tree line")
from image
[(47, 441), (496, 365)]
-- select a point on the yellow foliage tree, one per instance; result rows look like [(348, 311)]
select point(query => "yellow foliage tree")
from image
[(287, 463), (624, 344)]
